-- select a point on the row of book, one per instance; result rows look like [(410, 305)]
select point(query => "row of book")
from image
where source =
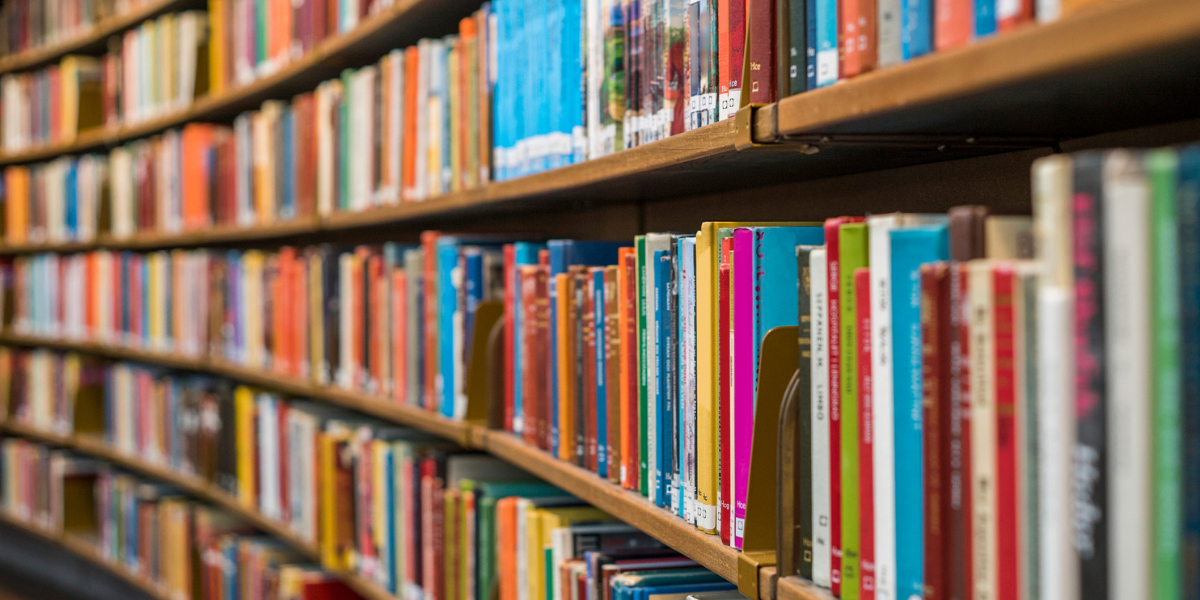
[(153, 531), (418, 516), (364, 140), (30, 24), (156, 68)]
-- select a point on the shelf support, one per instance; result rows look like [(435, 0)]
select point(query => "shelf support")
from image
[(777, 364)]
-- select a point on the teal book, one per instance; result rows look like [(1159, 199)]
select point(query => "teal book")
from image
[(643, 365)]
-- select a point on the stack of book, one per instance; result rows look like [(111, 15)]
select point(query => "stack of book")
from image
[(55, 202), (157, 68), (152, 530), (30, 24)]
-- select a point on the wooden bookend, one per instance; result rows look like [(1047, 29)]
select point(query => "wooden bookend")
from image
[(776, 370), (487, 316)]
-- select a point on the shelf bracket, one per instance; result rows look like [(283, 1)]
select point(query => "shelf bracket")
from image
[(758, 130)]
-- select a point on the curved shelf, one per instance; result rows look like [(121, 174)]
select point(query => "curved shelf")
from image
[(87, 551), (626, 505), (94, 38), (403, 22)]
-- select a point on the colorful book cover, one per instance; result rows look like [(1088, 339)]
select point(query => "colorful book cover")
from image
[(820, 418), (866, 439), (852, 255), (660, 417), (1188, 200)]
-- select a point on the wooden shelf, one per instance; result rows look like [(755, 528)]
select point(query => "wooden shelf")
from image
[(94, 39), (403, 23), (628, 506), (86, 550)]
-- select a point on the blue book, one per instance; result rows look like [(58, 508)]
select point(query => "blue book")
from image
[(911, 247), (916, 28), (474, 296), (448, 293), (389, 502), (564, 253), (287, 194), (669, 409), (826, 59), (552, 290), (601, 383), (985, 18), (524, 253), (777, 277), (1188, 198), (625, 586), (72, 200), (662, 468), (647, 593)]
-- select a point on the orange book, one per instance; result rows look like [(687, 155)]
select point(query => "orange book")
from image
[(468, 105), (429, 244), (377, 303), (953, 23), (628, 389), (284, 305), (358, 296), (196, 141), (93, 294), (16, 207), (412, 69), (399, 335), (281, 30), (566, 368), (506, 556), (483, 92)]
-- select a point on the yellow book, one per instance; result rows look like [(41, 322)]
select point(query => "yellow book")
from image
[(244, 413), (252, 306), (169, 61), (81, 102), (566, 370), (533, 555), (455, 97), (708, 267), (217, 17), (328, 537)]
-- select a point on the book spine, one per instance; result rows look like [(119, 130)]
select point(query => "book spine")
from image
[(866, 438), (707, 377), (804, 459), (724, 339), (981, 326), (744, 372), (761, 22), (961, 568), (936, 335), (953, 23), (1188, 199), (916, 29), (852, 256), (886, 320), (833, 270), (1008, 431), (1126, 247), (820, 446), (1089, 466), (643, 366), (1163, 173)]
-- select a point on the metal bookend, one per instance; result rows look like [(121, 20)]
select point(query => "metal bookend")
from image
[(776, 369)]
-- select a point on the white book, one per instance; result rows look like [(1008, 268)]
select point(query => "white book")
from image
[(1058, 565), (122, 192), (982, 357), (687, 364), (420, 179), (819, 407), (1127, 348), (395, 131), (268, 455), (245, 172), (890, 53), (325, 145), (523, 506)]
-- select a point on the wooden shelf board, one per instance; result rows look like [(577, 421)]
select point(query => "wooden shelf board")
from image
[(401, 24), (86, 551), (92, 39), (795, 588), (1119, 65)]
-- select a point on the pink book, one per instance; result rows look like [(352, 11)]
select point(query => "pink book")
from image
[(399, 335), (744, 376), (866, 444)]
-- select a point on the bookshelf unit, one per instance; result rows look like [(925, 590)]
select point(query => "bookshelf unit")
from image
[(1031, 90)]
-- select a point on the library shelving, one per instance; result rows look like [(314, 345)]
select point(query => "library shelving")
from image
[(1032, 89), (92, 39), (629, 506)]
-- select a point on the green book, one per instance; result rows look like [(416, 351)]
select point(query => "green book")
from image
[(260, 39), (344, 199), (1162, 168), (643, 381), (852, 254)]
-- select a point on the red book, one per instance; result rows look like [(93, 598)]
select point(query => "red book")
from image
[(761, 23), (1008, 527), (510, 333), (527, 277), (412, 69), (612, 375), (587, 374), (300, 307), (953, 23), (723, 50), (960, 478), (630, 448), (399, 335), (305, 184), (833, 280), (866, 443), (540, 353), (280, 346), (736, 34), (429, 245), (378, 302), (284, 498), (1006, 21), (936, 426), (724, 328)]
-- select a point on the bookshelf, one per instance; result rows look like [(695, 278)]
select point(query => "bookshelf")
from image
[(626, 505), (94, 38), (1034, 88), (1115, 67)]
